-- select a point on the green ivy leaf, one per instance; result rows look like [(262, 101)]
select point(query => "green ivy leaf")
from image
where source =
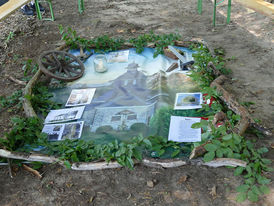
[(211, 147), (263, 180), (251, 196), (250, 181), (137, 154), (175, 153), (256, 190), (238, 171), (67, 164), (242, 188), (219, 153), (262, 150), (237, 138), (241, 197), (227, 137), (196, 125), (209, 156), (264, 189), (147, 143), (266, 161)]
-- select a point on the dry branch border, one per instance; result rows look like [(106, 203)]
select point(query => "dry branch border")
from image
[(169, 163)]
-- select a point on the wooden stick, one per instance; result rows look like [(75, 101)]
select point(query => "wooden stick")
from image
[(16, 80), (10, 167), (33, 171)]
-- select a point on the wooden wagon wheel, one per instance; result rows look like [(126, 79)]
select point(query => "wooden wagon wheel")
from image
[(61, 65)]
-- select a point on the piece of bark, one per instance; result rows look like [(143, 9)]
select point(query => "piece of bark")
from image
[(220, 162), (246, 120), (33, 171), (163, 164), (16, 80), (95, 166)]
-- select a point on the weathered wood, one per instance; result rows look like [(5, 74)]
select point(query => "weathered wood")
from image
[(220, 162), (33, 171), (260, 6), (16, 80), (95, 165), (245, 121), (11, 6), (29, 111), (163, 163)]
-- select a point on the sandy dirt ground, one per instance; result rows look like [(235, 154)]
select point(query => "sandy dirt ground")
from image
[(249, 39)]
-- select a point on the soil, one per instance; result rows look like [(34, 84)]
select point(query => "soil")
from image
[(248, 39)]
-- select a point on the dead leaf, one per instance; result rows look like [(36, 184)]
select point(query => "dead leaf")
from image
[(213, 192), (182, 179), (181, 195), (167, 198), (120, 31), (91, 199)]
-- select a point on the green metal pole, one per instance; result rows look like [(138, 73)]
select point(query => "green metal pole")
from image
[(228, 12), (81, 7), (38, 10), (214, 13), (200, 6)]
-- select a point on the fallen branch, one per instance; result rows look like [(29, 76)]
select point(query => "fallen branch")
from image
[(16, 80), (220, 162), (33, 171), (246, 120)]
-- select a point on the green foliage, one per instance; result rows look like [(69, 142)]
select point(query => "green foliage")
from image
[(9, 37), (15, 100), (83, 151), (40, 99), (25, 131), (160, 146), (223, 142), (29, 68), (107, 44)]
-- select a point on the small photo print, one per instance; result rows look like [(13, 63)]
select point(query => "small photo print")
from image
[(80, 97), (72, 130), (188, 101), (120, 56), (58, 132), (64, 115)]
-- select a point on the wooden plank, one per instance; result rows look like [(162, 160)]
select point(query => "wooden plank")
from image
[(259, 6), (11, 6)]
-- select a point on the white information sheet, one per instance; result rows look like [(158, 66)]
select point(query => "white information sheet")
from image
[(64, 115), (80, 97), (180, 129)]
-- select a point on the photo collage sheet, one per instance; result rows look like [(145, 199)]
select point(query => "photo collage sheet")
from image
[(64, 124)]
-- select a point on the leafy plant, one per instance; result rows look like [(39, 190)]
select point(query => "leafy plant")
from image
[(24, 131), (29, 67), (40, 99), (15, 100)]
